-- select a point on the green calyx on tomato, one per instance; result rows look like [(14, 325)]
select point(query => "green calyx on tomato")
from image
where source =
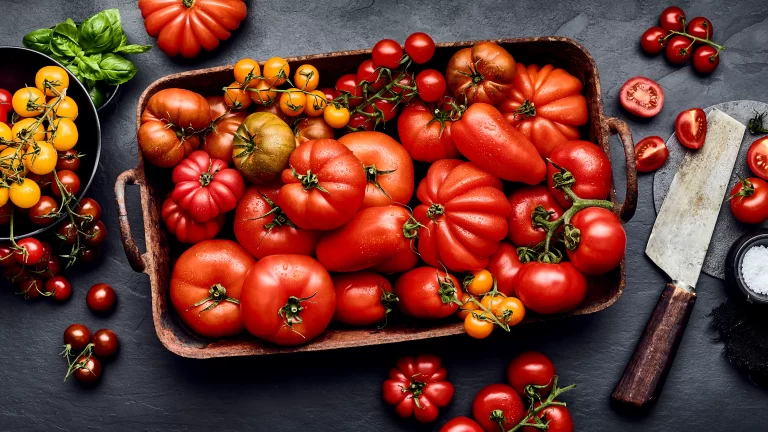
[(290, 312), (280, 219), (371, 175), (747, 189), (388, 300), (527, 109), (755, 124), (309, 180), (416, 388), (447, 291), (435, 210), (497, 416), (188, 3), (216, 295), (411, 228)]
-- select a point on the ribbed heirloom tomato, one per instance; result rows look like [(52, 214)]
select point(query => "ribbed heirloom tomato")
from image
[(185, 228), (418, 387), (362, 298), (261, 147), (205, 187), (481, 73)]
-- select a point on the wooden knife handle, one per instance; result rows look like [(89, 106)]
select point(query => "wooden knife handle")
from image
[(645, 374)]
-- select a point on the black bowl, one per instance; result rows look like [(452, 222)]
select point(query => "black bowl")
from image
[(18, 69), (736, 256)]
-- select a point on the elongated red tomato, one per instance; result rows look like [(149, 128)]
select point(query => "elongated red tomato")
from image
[(379, 238), (504, 265), (205, 187), (428, 293), (464, 215), (263, 229), (418, 387), (589, 166), (691, 128), (426, 133), (546, 105), (524, 201), (324, 186), (388, 168), (362, 298), (602, 241), (485, 138), (551, 288)]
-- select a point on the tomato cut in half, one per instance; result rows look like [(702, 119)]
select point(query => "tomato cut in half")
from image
[(691, 128), (651, 153), (642, 97), (757, 158)]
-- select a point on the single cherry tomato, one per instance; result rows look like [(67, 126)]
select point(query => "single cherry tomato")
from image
[(493, 301), (246, 71), (749, 200), (68, 160), (89, 255), (316, 103), (478, 282), (651, 153), (53, 80), (6, 103), (348, 84), (262, 93), (654, 40), (757, 158), (276, 71), (22, 130), (87, 369), (531, 368), (95, 234), (31, 287), (497, 408), (387, 53), (556, 417), (387, 108), (511, 311), (292, 102), (368, 72), (25, 194), (69, 180), (404, 85), (64, 107), (105, 343), (236, 97), (430, 85), (642, 97), (330, 94), (77, 336), (420, 47), (706, 59), (478, 325), (672, 18), (467, 306), (28, 102), (101, 298), (691, 128), (679, 49), (41, 213), (88, 211), (68, 233), (30, 251), (63, 134), (336, 116), (59, 288), (700, 27), (7, 259), (49, 266), (306, 77), (360, 122)]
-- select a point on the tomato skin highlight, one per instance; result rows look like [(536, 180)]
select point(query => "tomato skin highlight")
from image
[(757, 158), (361, 298), (651, 153), (551, 288), (691, 128), (531, 367), (749, 201)]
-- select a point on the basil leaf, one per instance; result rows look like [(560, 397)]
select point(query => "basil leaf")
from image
[(39, 40), (89, 66), (116, 69), (64, 40), (101, 33), (133, 49), (75, 71)]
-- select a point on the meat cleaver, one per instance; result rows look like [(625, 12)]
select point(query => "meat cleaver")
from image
[(678, 243)]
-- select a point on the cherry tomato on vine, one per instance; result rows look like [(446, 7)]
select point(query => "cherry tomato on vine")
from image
[(49, 266), (89, 211), (87, 369), (306, 77), (388, 109), (651, 153), (68, 160), (59, 288), (32, 251), (701, 28), (5, 194), (5, 131), (40, 158), (264, 94), (420, 47), (430, 85), (360, 122), (246, 71), (348, 84), (330, 93), (276, 71), (95, 235), (556, 417), (479, 282), (28, 101), (292, 102), (23, 128), (336, 117), (7, 259), (461, 424), (236, 97), (691, 128), (404, 84), (89, 255), (478, 325), (77, 336), (511, 311), (105, 343), (642, 97), (749, 200), (757, 158), (41, 212), (679, 49), (706, 59), (25, 194), (387, 53), (497, 407), (64, 107), (467, 306), (63, 134), (315, 103), (492, 301), (6, 103), (68, 233), (672, 18), (31, 287), (368, 72), (101, 298), (652, 41), (531, 368), (52, 80), (69, 180)]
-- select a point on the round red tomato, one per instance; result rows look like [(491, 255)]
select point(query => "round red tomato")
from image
[(602, 241), (263, 229), (642, 97), (359, 122), (205, 187), (430, 85), (749, 201), (362, 298), (505, 265), (418, 387), (348, 84), (757, 158), (287, 299), (706, 59), (186, 229), (428, 293), (551, 288), (523, 202), (481, 73), (368, 72), (426, 133), (206, 287), (672, 18), (29, 252), (387, 53), (311, 128), (653, 40), (70, 182), (531, 368), (590, 168), (691, 128), (679, 49), (388, 168), (420, 47), (461, 424), (218, 140), (651, 153), (464, 215), (701, 28), (556, 417), (497, 405), (324, 186), (384, 110)]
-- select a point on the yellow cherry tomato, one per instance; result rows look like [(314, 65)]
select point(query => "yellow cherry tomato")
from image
[(492, 301), (306, 77), (276, 71), (4, 192), (23, 127), (27, 102), (25, 194), (40, 157), (64, 107), (52, 80), (5, 132), (11, 161), (336, 117), (236, 97), (63, 133), (511, 311), (479, 282), (477, 326), (293, 102), (247, 72), (468, 306), (262, 93), (315, 104)]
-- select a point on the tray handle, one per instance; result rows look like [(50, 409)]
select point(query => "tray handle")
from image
[(617, 127), (129, 245)]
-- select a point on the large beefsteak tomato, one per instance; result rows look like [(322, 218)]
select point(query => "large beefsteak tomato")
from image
[(217, 142), (428, 293), (481, 73), (426, 133), (205, 187), (418, 387), (590, 167), (186, 229), (464, 215), (524, 201), (261, 147)]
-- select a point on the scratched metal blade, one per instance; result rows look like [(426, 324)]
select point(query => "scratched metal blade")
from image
[(683, 228)]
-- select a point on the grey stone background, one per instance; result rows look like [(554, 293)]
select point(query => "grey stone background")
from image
[(148, 388)]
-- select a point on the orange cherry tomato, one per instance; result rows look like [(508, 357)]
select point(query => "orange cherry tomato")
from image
[(64, 107), (23, 127), (511, 311), (276, 71), (477, 326), (315, 104), (479, 282), (262, 93), (336, 116), (26, 102), (247, 72), (55, 77), (236, 97), (492, 301), (293, 102), (468, 306), (306, 77)]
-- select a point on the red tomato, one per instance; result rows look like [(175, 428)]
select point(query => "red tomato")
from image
[(30, 251), (505, 265), (59, 288), (551, 288), (757, 158), (428, 293), (461, 424), (387, 53), (556, 417), (6, 106), (700, 27), (590, 168), (263, 229), (349, 84), (183, 26), (205, 187), (324, 187), (430, 84), (651, 153), (403, 83), (388, 111), (546, 105), (359, 122), (350, 248), (418, 387), (69, 180), (523, 202), (749, 201), (691, 128), (287, 299), (330, 93), (602, 241), (485, 138), (652, 41), (186, 229), (672, 18), (362, 298), (679, 49), (206, 287), (531, 368), (217, 141), (464, 215), (388, 167), (68, 160), (426, 134), (311, 128), (420, 47), (642, 97), (368, 72), (706, 59), (497, 405), (481, 73)]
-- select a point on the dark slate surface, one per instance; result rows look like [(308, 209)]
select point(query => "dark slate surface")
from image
[(148, 388)]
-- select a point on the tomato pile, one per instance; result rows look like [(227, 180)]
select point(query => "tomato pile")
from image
[(320, 197), (85, 353)]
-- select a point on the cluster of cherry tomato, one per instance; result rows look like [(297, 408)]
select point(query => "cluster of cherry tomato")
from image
[(418, 387), (494, 308), (678, 40), (85, 353)]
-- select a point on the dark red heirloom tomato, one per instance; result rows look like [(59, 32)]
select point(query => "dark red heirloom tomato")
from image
[(263, 229), (672, 18), (428, 293), (589, 166), (706, 59), (700, 27), (651, 153), (461, 424), (101, 298), (87, 369), (206, 287), (557, 418), (652, 41), (504, 265), (531, 368), (749, 200), (497, 405), (463, 213), (481, 73), (218, 141), (691, 128), (602, 241), (642, 97), (362, 298), (418, 387), (287, 299), (679, 49), (551, 288), (324, 186), (757, 158), (426, 133), (205, 187), (420, 47), (186, 229), (524, 201)]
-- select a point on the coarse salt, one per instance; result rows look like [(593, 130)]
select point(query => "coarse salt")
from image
[(754, 269)]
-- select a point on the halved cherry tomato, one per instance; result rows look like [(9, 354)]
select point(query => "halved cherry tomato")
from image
[(479, 282), (651, 153), (306, 77), (478, 325), (642, 97), (246, 71), (757, 158), (691, 128)]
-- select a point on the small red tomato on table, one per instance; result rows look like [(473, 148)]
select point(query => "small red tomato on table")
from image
[(691, 128), (418, 387)]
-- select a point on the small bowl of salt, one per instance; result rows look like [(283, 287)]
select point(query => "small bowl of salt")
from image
[(747, 266)]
